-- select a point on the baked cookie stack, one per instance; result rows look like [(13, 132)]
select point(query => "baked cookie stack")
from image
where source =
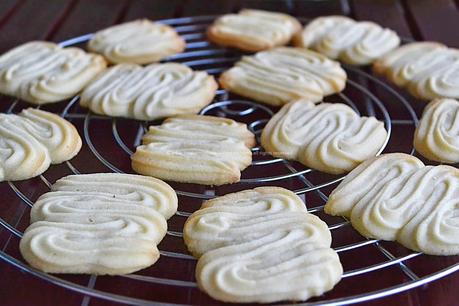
[(102, 223), (257, 245), (253, 30), (195, 149), (328, 137), (42, 72), (262, 246), (284, 74), (138, 42), (147, 93), (396, 197), (33, 140), (437, 135), (427, 69), (353, 42)]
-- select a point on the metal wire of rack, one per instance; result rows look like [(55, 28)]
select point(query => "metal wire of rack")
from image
[(202, 55)]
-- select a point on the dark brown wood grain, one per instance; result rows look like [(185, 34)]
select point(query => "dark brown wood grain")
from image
[(31, 21), (389, 13), (320, 8), (154, 9), (85, 17), (197, 7), (435, 20)]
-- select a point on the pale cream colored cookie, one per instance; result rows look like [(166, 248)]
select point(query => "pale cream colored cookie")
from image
[(149, 93), (140, 42), (428, 70), (331, 138), (195, 149), (396, 197), (98, 224), (253, 30), (353, 42), (42, 72), (437, 135), (284, 74), (33, 140), (261, 245)]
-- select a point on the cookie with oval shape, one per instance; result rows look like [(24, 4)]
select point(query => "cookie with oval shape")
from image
[(33, 140), (148, 93), (253, 30), (139, 42), (195, 149), (437, 135), (396, 197), (428, 70), (261, 245), (328, 137), (284, 74), (103, 223), (353, 42), (42, 72)]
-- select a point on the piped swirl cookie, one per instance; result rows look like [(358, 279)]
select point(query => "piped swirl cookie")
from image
[(284, 74), (261, 245), (437, 135), (428, 70), (139, 41), (101, 223), (353, 42), (33, 140), (195, 149), (396, 197), (42, 72), (148, 93), (331, 138), (253, 30)]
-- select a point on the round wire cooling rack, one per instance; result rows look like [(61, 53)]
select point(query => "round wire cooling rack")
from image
[(385, 267)]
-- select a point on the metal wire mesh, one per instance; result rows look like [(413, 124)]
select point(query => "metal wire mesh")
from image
[(362, 94)]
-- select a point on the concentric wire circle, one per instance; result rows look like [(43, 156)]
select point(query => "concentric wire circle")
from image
[(363, 94)]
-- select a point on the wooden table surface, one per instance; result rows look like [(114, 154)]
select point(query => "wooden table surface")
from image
[(57, 20)]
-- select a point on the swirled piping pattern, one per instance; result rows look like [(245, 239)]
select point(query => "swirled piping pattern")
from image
[(328, 137), (42, 72), (195, 149), (284, 74), (339, 37), (437, 135), (32, 140), (148, 93), (98, 224), (253, 30), (261, 245), (428, 70), (396, 197), (139, 42)]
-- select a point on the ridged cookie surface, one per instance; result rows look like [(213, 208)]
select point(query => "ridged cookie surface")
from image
[(437, 135), (253, 30), (139, 41), (33, 140), (101, 223), (353, 42), (195, 149), (331, 138), (261, 245), (42, 72), (284, 74), (396, 197), (149, 93), (428, 70)]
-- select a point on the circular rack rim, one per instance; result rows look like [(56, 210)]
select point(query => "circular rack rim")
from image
[(184, 25)]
